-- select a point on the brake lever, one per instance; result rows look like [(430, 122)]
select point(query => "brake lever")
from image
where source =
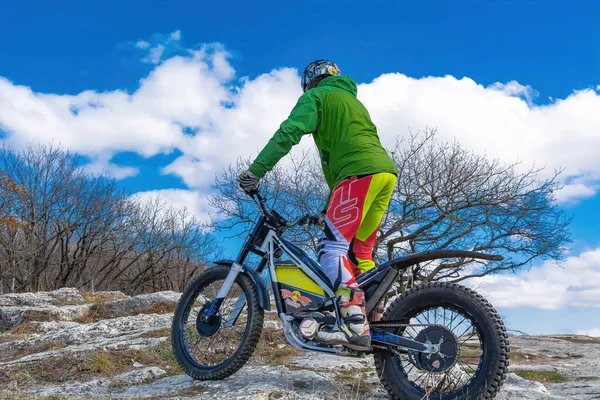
[(315, 220), (306, 220), (303, 220)]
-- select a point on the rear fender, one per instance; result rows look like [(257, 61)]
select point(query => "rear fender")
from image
[(261, 289), (385, 274)]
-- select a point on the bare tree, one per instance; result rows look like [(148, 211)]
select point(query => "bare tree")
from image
[(63, 227), (11, 195), (446, 198)]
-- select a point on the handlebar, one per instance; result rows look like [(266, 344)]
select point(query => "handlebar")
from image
[(262, 204), (316, 220)]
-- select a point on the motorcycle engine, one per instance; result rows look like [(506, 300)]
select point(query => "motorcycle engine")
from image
[(309, 328)]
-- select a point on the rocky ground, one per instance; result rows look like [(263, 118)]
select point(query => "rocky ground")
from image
[(66, 344)]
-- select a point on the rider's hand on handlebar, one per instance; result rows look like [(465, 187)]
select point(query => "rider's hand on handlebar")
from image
[(248, 182), (320, 219), (312, 220)]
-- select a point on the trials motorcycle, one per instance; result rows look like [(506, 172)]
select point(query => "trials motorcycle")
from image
[(437, 340)]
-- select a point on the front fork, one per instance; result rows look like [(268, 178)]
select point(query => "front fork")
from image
[(223, 292)]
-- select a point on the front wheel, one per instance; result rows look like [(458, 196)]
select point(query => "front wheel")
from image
[(216, 348), (474, 349)]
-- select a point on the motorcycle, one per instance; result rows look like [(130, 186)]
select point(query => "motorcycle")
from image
[(437, 340)]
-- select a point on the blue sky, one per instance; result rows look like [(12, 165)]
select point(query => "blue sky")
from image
[(94, 52)]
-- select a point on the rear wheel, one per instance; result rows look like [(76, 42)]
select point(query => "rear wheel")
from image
[(219, 347), (474, 348)]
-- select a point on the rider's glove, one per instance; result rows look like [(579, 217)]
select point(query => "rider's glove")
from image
[(248, 182), (321, 220)]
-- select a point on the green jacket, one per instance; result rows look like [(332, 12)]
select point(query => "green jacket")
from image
[(342, 128)]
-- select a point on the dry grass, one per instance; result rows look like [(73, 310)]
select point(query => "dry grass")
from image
[(31, 397), (157, 334), (162, 307), (64, 302), (101, 363), (23, 397), (55, 370), (84, 366), (97, 312), (587, 378), (542, 376), (11, 337), (100, 311), (353, 383), (24, 328), (522, 357), (517, 356), (38, 316), (44, 346), (90, 297), (273, 349), (271, 316), (578, 339), (30, 347), (193, 391)]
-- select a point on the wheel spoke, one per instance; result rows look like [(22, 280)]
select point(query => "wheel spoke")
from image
[(463, 342), (426, 319), (452, 320), (457, 325), (464, 334), (223, 343), (470, 326)]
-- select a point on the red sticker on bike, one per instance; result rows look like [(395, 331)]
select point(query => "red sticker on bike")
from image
[(295, 299)]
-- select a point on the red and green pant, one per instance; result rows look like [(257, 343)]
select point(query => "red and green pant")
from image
[(354, 213)]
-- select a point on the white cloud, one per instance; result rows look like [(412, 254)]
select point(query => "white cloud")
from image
[(575, 283), (107, 168), (514, 88), (574, 192), (194, 202), (142, 44), (198, 91), (157, 48), (594, 332), (565, 133), (154, 54)]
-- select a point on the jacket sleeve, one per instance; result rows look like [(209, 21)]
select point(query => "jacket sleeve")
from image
[(303, 119)]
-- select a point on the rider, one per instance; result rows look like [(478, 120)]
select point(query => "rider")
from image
[(359, 173)]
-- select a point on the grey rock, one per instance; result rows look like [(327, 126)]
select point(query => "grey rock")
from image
[(329, 363), (258, 382), (516, 387), (63, 295), (110, 293), (55, 326), (96, 387), (132, 305), (123, 331), (110, 328), (271, 325), (574, 356), (12, 316), (581, 389), (524, 384), (124, 342), (308, 376)]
